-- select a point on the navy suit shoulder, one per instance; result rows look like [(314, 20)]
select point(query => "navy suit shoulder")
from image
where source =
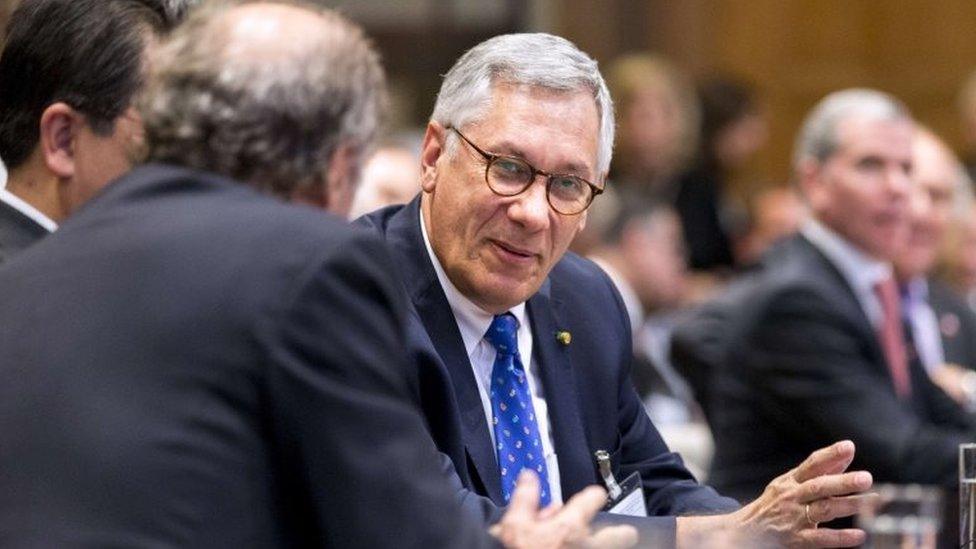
[(217, 368)]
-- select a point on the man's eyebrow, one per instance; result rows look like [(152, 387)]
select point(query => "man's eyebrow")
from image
[(507, 148)]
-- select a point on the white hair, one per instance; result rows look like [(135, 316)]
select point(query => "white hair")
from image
[(818, 138), (532, 59)]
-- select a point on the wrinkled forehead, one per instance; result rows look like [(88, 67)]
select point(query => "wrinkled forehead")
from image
[(559, 128)]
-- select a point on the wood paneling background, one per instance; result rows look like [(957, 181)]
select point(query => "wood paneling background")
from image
[(795, 51)]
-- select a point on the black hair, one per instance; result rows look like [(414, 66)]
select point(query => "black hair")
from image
[(88, 54)]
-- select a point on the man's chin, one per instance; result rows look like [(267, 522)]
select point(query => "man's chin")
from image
[(502, 293)]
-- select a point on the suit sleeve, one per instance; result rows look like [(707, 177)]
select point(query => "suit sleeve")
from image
[(360, 468), (814, 379)]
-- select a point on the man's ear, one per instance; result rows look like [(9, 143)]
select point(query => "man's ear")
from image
[(59, 128), (809, 181), (433, 147), (334, 191)]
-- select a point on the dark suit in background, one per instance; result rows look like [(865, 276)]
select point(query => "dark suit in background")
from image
[(190, 364), (803, 367), (17, 231), (957, 324), (591, 401)]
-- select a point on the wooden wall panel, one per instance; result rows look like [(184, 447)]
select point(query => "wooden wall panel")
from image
[(796, 51)]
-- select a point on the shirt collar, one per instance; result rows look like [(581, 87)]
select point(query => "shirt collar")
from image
[(472, 320), (23, 207), (917, 289), (859, 269)]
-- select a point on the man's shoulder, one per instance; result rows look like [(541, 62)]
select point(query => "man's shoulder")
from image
[(381, 220), (17, 231), (575, 269), (201, 202)]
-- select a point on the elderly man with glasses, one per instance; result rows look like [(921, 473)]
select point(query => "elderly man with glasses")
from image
[(523, 349)]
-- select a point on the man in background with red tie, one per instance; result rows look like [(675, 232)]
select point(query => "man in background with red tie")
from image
[(817, 351)]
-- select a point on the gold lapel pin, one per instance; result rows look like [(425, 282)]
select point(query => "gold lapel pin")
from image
[(564, 337)]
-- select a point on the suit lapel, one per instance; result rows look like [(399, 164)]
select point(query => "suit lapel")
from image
[(435, 313), (845, 299), (847, 303), (562, 399)]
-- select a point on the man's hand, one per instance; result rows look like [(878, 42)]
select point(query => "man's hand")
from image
[(789, 510), (525, 526), (957, 382)]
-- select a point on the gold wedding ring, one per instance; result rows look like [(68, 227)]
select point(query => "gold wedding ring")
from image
[(806, 511)]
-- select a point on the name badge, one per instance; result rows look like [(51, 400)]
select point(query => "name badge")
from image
[(624, 498)]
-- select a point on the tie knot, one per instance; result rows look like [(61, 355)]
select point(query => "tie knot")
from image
[(502, 334)]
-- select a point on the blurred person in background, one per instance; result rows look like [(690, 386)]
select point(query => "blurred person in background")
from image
[(68, 74), (775, 213), (390, 176), (657, 117), (957, 265), (732, 131), (642, 253), (813, 347), (940, 328)]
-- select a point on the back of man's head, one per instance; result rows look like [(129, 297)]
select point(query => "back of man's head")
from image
[(85, 53), (284, 96)]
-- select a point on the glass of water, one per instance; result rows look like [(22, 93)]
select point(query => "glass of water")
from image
[(967, 495), (902, 517)]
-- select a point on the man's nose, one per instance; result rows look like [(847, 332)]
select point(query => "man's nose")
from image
[(531, 208)]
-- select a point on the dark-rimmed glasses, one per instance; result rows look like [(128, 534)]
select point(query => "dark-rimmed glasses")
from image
[(509, 176)]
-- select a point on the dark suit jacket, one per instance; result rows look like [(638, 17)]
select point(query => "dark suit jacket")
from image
[(17, 231), (592, 404), (802, 369), (187, 363), (957, 324)]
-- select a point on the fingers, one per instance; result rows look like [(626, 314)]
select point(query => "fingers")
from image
[(834, 485), (826, 537), (613, 537), (550, 511), (524, 503), (582, 507), (826, 461), (826, 510)]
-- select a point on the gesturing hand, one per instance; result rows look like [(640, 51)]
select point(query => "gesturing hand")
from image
[(818, 490), (525, 526)]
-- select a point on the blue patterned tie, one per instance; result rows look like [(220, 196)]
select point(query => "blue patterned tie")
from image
[(517, 441)]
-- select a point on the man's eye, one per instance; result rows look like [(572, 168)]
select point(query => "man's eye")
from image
[(512, 169), (568, 186)]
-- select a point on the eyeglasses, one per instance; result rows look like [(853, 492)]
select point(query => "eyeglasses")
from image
[(510, 176)]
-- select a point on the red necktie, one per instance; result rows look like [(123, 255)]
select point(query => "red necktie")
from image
[(892, 338)]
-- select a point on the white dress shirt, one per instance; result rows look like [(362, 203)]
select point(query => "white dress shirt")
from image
[(23, 207), (473, 324), (860, 270)]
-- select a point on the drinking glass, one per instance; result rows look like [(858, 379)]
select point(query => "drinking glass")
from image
[(967, 495), (902, 517)]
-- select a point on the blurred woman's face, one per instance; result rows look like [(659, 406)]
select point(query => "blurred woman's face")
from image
[(738, 142), (652, 129)]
